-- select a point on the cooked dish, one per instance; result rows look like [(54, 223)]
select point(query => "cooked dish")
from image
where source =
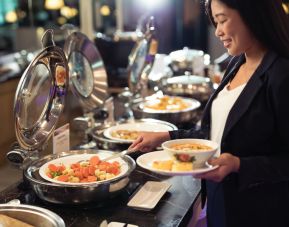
[(168, 103), (191, 146), (163, 165), (125, 134), (85, 171), (171, 165)]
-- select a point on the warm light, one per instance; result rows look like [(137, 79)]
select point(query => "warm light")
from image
[(61, 20), (105, 10), (11, 17), (53, 4), (68, 12), (285, 7)]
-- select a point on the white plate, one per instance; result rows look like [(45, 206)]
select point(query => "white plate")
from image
[(149, 195), (68, 160), (138, 126), (146, 161)]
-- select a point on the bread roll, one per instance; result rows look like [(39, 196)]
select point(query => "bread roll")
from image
[(6, 221)]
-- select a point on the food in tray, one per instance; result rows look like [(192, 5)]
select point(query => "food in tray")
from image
[(125, 134), (9, 221), (91, 170), (168, 103), (172, 165), (190, 146)]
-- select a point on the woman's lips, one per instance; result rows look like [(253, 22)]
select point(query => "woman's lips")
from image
[(226, 43)]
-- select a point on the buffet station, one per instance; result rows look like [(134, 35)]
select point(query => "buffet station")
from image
[(85, 186)]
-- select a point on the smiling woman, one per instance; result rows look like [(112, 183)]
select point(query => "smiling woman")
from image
[(257, 34), (250, 186), (231, 29)]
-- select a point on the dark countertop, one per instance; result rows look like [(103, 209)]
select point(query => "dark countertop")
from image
[(174, 209)]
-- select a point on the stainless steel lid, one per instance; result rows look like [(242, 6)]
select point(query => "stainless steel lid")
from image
[(136, 63), (88, 78), (40, 96), (138, 55), (32, 215)]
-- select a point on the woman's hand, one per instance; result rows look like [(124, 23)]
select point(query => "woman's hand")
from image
[(227, 164), (148, 141)]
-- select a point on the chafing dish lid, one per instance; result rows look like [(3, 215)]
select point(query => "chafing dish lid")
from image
[(138, 55), (136, 62), (88, 78), (40, 95)]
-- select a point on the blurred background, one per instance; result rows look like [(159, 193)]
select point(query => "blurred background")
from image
[(180, 22)]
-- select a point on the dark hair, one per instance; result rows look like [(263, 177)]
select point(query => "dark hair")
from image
[(266, 19)]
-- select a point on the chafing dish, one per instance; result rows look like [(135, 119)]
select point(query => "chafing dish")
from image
[(39, 102), (77, 193), (176, 117), (197, 87)]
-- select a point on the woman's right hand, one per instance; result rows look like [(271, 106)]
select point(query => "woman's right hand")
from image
[(148, 141)]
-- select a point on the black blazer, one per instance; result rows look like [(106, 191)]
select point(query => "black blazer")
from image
[(257, 131)]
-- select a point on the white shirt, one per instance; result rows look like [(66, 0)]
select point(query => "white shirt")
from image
[(221, 107)]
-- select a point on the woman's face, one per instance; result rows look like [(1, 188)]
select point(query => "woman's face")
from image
[(230, 29)]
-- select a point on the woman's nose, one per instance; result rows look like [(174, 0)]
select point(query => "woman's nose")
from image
[(218, 31)]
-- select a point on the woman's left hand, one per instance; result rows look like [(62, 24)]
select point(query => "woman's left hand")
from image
[(227, 164)]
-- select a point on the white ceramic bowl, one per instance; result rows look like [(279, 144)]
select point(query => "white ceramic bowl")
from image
[(199, 157)]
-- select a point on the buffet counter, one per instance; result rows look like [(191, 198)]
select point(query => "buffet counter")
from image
[(175, 208)]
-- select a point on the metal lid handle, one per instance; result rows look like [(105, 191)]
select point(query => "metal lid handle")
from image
[(47, 38)]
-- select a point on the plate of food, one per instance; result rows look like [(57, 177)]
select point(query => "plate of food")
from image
[(128, 132), (161, 162), (169, 104), (83, 169)]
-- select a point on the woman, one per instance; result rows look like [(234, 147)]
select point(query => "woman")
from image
[(248, 116)]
